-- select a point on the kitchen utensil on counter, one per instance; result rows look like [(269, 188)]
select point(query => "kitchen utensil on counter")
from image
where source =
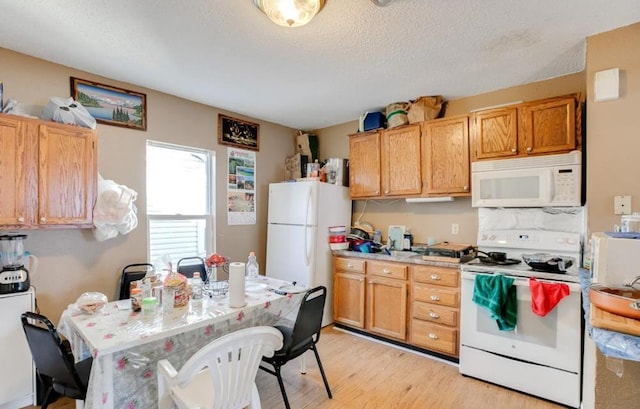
[(14, 276), (358, 234), (396, 237), (448, 252), (548, 263)]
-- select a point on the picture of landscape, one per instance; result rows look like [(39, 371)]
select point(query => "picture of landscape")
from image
[(110, 105)]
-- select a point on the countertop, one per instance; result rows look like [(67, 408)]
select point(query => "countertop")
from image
[(610, 343), (408, 257)]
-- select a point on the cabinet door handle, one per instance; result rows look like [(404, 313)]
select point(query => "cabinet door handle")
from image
[(529, 149), (435, 298), (434, 315), (465, 187), (21, 219), (43, 219), (514, 150), (433, 336), (361, 279), (386, 192), (435, 277)]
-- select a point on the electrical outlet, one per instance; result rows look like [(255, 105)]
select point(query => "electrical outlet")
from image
[(622, 205), (454, 228)]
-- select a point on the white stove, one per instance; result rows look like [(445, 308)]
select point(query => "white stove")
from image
[(542, 356), (518, 242)]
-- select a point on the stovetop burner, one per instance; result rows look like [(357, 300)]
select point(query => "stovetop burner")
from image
[(491, 262)]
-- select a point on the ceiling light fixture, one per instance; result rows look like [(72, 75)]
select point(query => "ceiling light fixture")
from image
[(290, 13)]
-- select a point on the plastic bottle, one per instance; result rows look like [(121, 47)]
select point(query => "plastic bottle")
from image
[(196, 287), (251, 271)]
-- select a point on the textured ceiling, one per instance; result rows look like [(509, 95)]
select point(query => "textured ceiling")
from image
[(353, 57)]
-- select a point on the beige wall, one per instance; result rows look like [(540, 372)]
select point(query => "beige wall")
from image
[(435, 219), (72, 261), (613, 144)]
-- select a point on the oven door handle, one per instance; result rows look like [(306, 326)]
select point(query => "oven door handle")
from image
[(524, 281)]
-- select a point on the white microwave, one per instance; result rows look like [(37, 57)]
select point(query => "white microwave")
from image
[(537, 181), (614, 261)]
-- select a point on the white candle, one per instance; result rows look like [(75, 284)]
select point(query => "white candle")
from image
[(236, 285)]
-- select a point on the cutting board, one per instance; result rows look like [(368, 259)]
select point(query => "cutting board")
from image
[(604, 319)]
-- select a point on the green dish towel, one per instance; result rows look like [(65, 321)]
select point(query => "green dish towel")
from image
[(497, 294)]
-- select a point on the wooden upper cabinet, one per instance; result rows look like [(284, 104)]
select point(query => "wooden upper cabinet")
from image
[(67, 175), (542, 127), (401, 161), (48, 174), (446, 156), (13, 172), (495, 133), (549, 126), (364, 165)]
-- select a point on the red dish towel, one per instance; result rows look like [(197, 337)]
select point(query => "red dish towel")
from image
[(545, 296)]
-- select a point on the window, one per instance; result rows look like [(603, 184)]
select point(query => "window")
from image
[(180, 201)]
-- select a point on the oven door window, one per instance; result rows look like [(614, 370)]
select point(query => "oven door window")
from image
[(553, 340)]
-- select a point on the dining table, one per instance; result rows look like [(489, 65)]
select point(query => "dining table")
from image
[(127, 345)]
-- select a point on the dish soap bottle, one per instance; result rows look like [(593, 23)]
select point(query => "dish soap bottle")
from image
[(252, 267)]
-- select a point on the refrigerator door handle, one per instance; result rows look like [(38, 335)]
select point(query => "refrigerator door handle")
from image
[(307, 248), (306, 213)]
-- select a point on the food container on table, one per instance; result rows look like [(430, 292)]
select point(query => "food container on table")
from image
[(178, 283)]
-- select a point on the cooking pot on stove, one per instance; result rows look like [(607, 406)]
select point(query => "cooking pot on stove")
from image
[(496, 256), (548, 263)]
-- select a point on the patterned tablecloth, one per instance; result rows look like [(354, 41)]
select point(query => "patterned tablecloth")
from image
[(126, 345)]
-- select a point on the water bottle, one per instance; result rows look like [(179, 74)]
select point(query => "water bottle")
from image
[(251, 272), (196, 287)]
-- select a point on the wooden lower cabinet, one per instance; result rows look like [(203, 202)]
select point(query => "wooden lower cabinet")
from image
[(414, 304), (435, 308), (386, 307), (348, 291)]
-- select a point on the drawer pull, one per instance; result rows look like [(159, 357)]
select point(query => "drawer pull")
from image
[(349, 265), (433, 336), (434, 315), (435, 298), (384, 270), (435, 277)]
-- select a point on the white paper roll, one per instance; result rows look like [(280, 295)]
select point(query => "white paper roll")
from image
[(236, 284)]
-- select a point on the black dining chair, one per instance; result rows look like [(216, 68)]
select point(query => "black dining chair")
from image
[(54, 359), (303, 336), (131, 273), (189, 265)]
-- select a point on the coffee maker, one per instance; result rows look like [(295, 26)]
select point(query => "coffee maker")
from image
[(14, 277)]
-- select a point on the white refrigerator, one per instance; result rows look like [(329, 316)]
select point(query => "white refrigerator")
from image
[(300, 214)]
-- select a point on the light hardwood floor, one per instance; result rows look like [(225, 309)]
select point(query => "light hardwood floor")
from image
[(366, 374)]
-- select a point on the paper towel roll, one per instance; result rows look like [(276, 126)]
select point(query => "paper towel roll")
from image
[(236, 285)]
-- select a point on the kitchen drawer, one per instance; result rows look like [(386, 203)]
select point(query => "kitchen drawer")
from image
[(435, 313), (436, 275), (436, 295), (349, 264), (389, 270), (434, 337)]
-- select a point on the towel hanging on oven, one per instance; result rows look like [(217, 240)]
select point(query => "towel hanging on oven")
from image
[(545, 296), (497, 294)]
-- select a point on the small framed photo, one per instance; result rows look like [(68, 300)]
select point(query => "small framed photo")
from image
[(110, 105), (238, 133)]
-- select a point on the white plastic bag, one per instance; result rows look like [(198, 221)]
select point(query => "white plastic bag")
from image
[(68, 111), (114, 211)]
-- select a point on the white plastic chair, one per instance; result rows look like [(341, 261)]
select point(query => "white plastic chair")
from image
[(221, 375)]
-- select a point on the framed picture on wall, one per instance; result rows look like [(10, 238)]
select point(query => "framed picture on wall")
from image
[(110, 105), (238, 133)]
